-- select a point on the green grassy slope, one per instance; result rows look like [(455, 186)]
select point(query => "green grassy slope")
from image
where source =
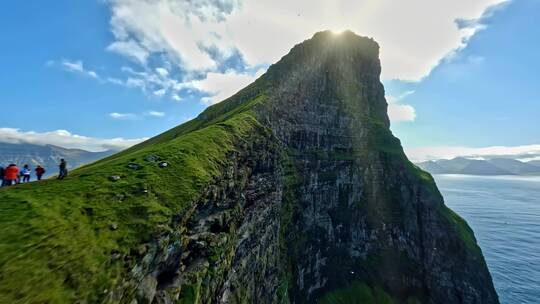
[(62, 240), (242, 101)]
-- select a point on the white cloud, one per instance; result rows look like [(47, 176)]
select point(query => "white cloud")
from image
[(175, 27), (155, 113), (160, 92), (115, 81), (65, 139), (398, 112), (130, 49), (135, 83), (122, 116), (178, 35), (414, 35), (135, 116), (93, 74), (157, 82), (162, 72), (447, 152), (221, 86), (75, 66)]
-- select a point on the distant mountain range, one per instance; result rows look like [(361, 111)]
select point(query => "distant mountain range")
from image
[(495, 166), (47, 156), (534, 162)]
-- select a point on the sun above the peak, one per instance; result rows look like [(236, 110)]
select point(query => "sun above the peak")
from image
[(337, 32)]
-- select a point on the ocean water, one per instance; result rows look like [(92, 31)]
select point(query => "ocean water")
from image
[(504, 212)]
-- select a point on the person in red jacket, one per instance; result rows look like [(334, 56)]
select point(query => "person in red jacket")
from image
[(39, 172), (11, 174)]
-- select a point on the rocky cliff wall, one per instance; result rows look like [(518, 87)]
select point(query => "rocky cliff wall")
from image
[(361, 212), (225, 248)]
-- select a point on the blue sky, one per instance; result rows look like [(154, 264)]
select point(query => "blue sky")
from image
[(44, 97), (487, 93), (108, 73)]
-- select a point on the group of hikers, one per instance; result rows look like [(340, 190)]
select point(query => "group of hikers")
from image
[(12, 175)]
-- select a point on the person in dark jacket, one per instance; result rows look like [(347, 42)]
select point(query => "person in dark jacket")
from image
[(63, 169), (2, 172), (39, 172)]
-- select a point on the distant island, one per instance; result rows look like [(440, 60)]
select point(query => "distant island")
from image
[(494, 166)]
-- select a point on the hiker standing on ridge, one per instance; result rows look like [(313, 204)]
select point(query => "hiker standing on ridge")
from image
[(63, 169), (39, 172), (25, 172), (2, 172), (11, 175)]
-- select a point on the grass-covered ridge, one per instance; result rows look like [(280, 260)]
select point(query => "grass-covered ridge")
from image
[(62, 241), (357, 293)]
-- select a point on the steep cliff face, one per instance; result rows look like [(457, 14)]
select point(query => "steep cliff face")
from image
[(360, 211), (292, 191)]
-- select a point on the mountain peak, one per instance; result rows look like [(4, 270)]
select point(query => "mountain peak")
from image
[(335, 46), (346, 37), (338, 71)]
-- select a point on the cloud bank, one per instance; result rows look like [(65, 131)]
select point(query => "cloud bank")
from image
[(216, 47), (134, 116), (415, 35), (221, 86), (399, 112), (65, 139), (74, 66), (122, 116), (525, 152)]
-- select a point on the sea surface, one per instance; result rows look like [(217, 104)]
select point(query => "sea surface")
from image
[(504, 212)]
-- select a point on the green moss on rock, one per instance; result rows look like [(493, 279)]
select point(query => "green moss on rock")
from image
[(462, 228)]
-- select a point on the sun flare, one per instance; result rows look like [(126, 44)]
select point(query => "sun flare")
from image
[(337, 32)]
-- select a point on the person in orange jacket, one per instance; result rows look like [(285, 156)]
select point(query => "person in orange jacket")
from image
[(11, 174)]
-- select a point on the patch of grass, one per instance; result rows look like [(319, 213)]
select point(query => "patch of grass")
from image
[(242, 101), (190, 293), (63, 241), (356, 293), (289, 238), (462, 228), (381, 139)]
